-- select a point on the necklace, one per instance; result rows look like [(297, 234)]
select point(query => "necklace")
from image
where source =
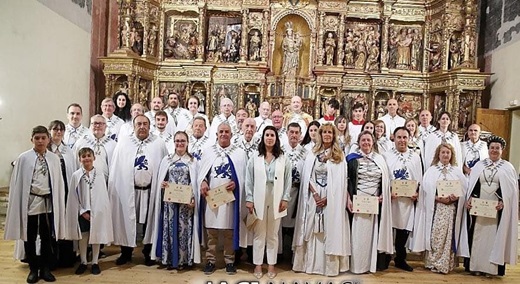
[(43, 165), (89, 181)]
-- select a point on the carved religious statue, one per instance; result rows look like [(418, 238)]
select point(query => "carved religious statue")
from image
[(251, 108), (255, 43), (292, 43), (455, 47), (330, 49), (404, 41)]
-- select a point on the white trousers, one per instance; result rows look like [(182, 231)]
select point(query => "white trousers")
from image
[(265, 232)]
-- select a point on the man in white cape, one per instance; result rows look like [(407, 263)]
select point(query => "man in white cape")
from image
[(223, 164), (131, 183), (403, 164), (102, 145)]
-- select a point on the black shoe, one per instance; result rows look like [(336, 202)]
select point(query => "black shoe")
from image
[(123, 260), (81, 269), (95, 269), (148, 261), (231, 269), (403, 265), (102, 254), (46, 275), (170, 267), (209, 268), (33, 277)]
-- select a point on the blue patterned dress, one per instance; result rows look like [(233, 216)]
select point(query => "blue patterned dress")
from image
[(175, 233)]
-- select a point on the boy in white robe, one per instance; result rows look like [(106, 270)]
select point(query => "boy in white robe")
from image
[(88, 214), (36, 204)]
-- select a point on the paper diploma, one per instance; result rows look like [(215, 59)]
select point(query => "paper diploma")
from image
[(446, 188), (406, 188), (178, 193), (483, 208), (219, 196), (365, 204)]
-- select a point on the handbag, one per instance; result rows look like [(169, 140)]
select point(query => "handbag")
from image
[(250, 220)]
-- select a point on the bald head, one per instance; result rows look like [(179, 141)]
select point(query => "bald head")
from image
[(474, 132), (296, 104), (392, 106)]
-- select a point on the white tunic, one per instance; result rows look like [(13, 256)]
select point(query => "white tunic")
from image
[(168, 140), (185, 122), (89, 194), (503, 247), (261, 123), (392, 123), (103, 149), (19, 189), (434, 140), (215, 166), (473, 152), (114, 124), (72, 134), (122, 190), (403, 166), (170, 126), (217, 120)]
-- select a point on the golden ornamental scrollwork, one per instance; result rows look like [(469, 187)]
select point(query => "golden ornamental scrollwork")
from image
[(363, 9), (408, 12), (401, 49), (256, 2), (356, 82), (331, 23), (471, 82), (340, 5), (180, 2), (255, 20), (118, 67), (384, 82), (416, 85)]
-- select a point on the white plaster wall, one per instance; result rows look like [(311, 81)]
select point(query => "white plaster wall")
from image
[(44, 66), (505, 64)]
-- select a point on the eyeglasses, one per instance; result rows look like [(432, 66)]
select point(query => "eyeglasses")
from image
[(58, 129), (97, 123), (180, 141)]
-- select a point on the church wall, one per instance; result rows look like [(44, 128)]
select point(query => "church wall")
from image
[(501, 42), (45, 67)]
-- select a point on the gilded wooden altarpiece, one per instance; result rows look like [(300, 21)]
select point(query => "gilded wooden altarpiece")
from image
[(420, 52)]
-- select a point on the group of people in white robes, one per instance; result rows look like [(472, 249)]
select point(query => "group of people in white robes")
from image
[(288, 180)]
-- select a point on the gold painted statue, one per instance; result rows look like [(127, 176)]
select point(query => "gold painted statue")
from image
[(291, 45)]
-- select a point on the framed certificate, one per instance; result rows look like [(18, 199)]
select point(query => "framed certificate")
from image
[(483, 208), (178, 193), (447, 187), (365, 204), (405, 188), (219, 196)]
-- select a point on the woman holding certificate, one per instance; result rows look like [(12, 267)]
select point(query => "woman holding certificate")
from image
[(268, 184), (490, 240), (439, 211), (369, 180), (322, 233), (176, 243)]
